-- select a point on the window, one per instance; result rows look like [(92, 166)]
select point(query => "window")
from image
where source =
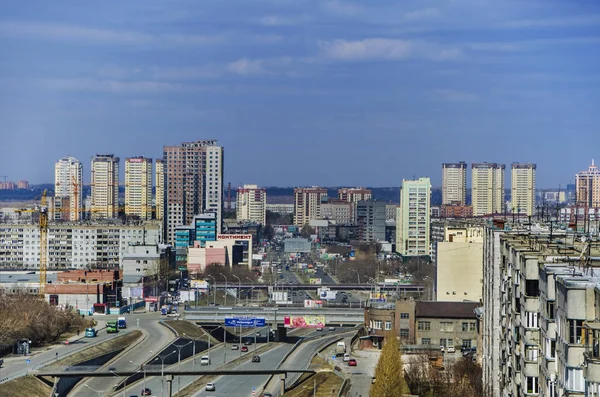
[(532, 287), (404, 333), (388, 325), (424, 326), (550, 310), (426, 341), (531, 320), (404, 315), (532, 385), (531, 353), (466, 343), (576, 331), (446, 326), (472, 327), (465, 327), (377, 324)]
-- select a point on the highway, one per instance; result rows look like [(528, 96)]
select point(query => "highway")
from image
[(15, 367), (157, 336)]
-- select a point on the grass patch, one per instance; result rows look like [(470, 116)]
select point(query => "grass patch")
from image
[(25, 386), (191, 330), (117, 343), (199, 383), (327, 384)]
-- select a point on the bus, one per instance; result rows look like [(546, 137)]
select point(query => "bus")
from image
[(111, 327)]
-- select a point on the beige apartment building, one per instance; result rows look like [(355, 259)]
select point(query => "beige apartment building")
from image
[(354, 195), (251, 204), (523, 188), (138, 187), (68, 186), (454, 183), (488, 188), (105, 186), (159, 202), (307, 204), (588, 187)]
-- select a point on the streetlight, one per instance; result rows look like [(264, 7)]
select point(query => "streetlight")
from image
[(99, 392), (215, 293), (357, 274), (179, 347), (239, 288), (194, 350), (162, 370), (124, 381), (251, 289), (142, 368), (225, 298), (429, 279)]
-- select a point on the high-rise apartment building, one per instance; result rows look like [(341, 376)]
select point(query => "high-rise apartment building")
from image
[(138, 187), (251, 204), (307, 204), (487, 188), (354, 195), (193, 183), (412, 225), (159, 201), (454, 183), (105, 186), (523, 188), (370, 219), (588, 187), (68, 186)]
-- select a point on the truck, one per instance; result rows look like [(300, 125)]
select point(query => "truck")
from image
[(340, 349), (121, 323), (112, 327)]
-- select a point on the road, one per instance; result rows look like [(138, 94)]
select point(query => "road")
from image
[(158, 336), (15, 367)]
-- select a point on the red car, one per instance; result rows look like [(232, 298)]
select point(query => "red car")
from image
[(352, 362), (244, 348)]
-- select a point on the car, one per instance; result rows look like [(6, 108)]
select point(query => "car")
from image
[(244, 348), (1, 362), (248, 342), (255, 359), (346, 357), (235, 347), (332, 328), (450, 349), (258, 334), (319, 329), (210, 387), (146, 392), (205, 360), (267, 395), (352, 362)]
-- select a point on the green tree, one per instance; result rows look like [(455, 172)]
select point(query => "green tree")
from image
[(389, 373)]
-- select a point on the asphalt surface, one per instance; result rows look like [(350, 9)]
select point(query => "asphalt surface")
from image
[(15, 367), (158, 336)]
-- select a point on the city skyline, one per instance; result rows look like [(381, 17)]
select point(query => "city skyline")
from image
[(408, 85)]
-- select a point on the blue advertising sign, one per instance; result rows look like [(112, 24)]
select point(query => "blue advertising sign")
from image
[(247, 322)]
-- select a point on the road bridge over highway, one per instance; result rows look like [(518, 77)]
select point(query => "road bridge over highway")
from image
[(333, 316), (384, 287)]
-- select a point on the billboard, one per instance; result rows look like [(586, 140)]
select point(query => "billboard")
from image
[(198, 284), (313, 303), (304, 321), (378, 297), (247, 322), (316, 281), (327, 294)]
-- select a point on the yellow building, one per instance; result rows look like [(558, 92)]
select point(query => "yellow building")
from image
[(460, 264), (138, 187), (307, 204), (487, 188), (588, 187), (105, 186), (523, 189)]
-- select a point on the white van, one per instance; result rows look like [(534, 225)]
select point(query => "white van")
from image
[(205, 360), (346, 357)]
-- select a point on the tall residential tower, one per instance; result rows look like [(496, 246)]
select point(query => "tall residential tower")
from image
[(523, 188), (454, 183), (412, 225), (251, 204), (307, 204), (160, 189), (588, 187), (138, 187), (105, 186), (68, 186), (488, 188)]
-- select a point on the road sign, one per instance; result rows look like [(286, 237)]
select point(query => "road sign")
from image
[(333, 357), (246, 322), (28, 361)]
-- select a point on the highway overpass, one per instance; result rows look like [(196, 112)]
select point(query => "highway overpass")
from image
[(333, 317), (402, 288)]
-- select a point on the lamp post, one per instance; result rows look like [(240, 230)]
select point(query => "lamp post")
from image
[(99, 392), (194, 350), (239, 289), (251, 289), (225, 298), (142, 368), (357, 275), (430, 289), (179, 347), (215, 293), (162, 371)]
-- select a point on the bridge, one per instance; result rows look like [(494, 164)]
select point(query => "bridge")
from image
[(271, 314), (74, 372), (403, 288)]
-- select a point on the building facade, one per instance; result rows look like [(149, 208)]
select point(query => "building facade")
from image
[(138, 187), (307, 204), (105, 187), (193, 183), (250, 204), (159, 201), (454, 183), (74, 245), (487, 194), (68, 186), (280, 208), (523, 188), (342, 212), (354, 195), (588, 187), (370, 219), (412, 225)]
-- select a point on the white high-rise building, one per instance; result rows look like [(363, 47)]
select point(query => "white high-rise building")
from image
[(68, 186), (138, 187), (160, 189), (251, 204), (412, 225), (488, 188), (105, 186), (523, 189), (454, 183)]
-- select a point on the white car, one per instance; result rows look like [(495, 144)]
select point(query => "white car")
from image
[(346, 357), (450, 349), (210, 387), (205, 360)]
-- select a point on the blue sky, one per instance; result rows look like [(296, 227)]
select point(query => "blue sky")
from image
[(301, 92)]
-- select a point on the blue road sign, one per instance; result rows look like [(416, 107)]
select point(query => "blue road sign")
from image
[(333, 357), (28, 361), (246, 322)]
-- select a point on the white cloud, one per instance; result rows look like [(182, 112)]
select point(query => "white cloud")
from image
[(455, 96), (386, 49), (246, 66), (270, 66), (284, 20), (118, 86), (571, 21), (424, 13), (342, 7)]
